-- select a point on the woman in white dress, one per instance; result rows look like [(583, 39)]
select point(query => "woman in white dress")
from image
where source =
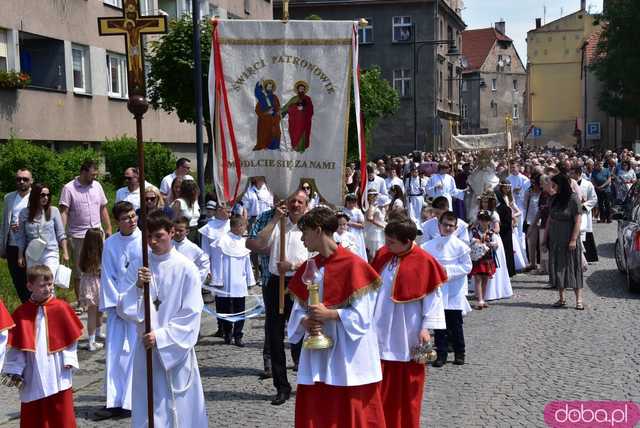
[(518, 238), (374, 225), (187, 206)]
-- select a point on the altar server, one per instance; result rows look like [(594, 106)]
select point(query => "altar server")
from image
[(42, 354), (120, 250), (409, 304), (231, 276), (347, 376), (443, 184), (431, 227), (190, 250), (415, 188), (174, 285), (453, 255)]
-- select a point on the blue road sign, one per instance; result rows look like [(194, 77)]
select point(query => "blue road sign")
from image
[(593, 130), (537, 132)]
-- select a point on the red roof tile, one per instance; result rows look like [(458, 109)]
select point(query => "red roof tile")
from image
[(592, 45), (476, 45)]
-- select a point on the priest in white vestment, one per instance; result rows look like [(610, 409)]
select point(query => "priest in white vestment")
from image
[(174, 286), (121, 249), (454, 256)]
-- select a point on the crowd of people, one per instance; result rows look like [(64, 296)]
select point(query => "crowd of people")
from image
[(436, 230)]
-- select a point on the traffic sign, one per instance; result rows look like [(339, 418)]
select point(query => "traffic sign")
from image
[(537, 132), (593, 131)]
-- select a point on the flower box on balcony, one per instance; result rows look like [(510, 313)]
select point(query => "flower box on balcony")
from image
[(14, 80)]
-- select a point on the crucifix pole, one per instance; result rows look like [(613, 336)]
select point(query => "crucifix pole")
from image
[(132, 25)]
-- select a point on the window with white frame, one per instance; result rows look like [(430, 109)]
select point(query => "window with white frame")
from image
[(402, 82), (365, 34), (81, 66), (401, 29), (494, 84), (515, 85), (4, 50), (116, 3), (116, 75), (465, 86), (465, 111), (147, 7), (516, 112)]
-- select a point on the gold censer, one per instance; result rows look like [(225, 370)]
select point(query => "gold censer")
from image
[(320, 340)]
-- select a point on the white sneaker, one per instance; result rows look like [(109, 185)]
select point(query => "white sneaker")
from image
[(95, 346)]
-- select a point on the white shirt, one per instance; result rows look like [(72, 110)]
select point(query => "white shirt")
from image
[(19, 203), (165, 184), (431, 230), (191, 212), (398, 325), (196, 255), (211, 232), (393, 181), (257, 201), (444, 185), (416, 186), (118, 253), (454, 255), (44, 374), (231, 270), (295, 251), (124, 194), (378, 184), (353, 360), (519, 185)]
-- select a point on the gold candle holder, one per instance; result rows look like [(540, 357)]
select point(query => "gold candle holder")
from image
[(320, 340)]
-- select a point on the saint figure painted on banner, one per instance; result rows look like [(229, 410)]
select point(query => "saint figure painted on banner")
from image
[(300, 111), (268, 112)]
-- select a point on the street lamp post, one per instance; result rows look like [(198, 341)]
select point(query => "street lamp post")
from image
[(417, 45)]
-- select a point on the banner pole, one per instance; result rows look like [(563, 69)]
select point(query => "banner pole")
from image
[(283, 225)]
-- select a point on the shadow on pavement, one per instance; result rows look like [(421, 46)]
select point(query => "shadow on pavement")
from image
[(236, 396), (607, 250), (221, 371), (600, 282)]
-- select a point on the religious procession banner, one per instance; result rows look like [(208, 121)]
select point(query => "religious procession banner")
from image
[(481, 141), (279, 97)]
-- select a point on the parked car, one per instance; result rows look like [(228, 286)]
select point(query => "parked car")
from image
[(627, 249)]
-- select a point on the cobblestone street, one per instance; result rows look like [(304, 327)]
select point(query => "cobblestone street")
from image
[(521, 354)]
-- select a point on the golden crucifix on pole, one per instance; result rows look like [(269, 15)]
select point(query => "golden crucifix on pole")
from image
[(132, 26)]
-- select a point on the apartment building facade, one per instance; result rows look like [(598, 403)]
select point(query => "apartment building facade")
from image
[(387, 42), (78, 92)]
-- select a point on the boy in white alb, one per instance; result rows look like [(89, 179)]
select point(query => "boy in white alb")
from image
[(431, 229), (409, 304), (42, 354), (174, 286), (120, 250), (348, 375), (454, 256), (231, 276), (190, 250)]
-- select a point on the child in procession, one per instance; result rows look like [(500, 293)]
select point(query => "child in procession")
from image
[(42, 354), (89, 287)]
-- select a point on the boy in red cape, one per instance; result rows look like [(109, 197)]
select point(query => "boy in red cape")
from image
[(337, 387), (6, 323), (42, 354), (409, 304)]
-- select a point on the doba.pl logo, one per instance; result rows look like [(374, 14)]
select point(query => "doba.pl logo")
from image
[(592, 414)]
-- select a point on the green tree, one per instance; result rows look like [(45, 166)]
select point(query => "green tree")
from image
[(170, 81), (378, 99), (617, 59)]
